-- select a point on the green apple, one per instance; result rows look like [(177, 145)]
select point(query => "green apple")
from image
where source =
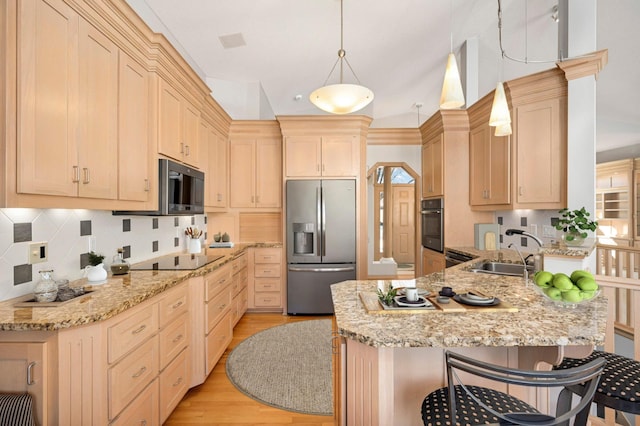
[(587, 284), (580, 273), (562, 281), (586, 295), (572, 296), (553, 293), (543, 279)]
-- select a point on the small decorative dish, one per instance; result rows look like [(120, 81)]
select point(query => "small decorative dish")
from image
[(465, 300)]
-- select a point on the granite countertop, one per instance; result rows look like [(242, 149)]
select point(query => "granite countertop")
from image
[(538, 322), (118, 294)]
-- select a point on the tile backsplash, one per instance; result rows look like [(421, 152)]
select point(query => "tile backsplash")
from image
[(532, 221), (70, 234)]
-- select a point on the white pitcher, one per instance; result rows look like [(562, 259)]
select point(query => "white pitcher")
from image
[(95, 273)]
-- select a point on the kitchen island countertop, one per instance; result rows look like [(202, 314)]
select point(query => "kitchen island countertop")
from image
[(538, 321), (118, 294)]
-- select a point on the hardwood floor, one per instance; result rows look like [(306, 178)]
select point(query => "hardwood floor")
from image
[(218, 402)]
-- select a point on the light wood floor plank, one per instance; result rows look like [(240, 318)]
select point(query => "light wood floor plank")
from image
[(217, 402)]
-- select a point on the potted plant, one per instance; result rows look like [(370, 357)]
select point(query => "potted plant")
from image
[(95, 259), (575, 224)]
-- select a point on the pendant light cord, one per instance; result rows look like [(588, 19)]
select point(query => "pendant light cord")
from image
[(342, 54)]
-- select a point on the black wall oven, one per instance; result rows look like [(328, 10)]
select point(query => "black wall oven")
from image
[(432, 214)]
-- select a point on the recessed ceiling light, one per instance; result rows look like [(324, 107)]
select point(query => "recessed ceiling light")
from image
[(297, 97)]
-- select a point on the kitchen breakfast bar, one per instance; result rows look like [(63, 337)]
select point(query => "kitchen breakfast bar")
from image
[(390, 359)]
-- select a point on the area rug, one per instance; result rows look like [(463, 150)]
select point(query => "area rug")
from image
[(287, 367)]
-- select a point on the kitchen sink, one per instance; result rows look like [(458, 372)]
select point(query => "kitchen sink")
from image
[(500, 268)]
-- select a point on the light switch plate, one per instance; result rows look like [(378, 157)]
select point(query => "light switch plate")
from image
[(548, 231), (38, 252)]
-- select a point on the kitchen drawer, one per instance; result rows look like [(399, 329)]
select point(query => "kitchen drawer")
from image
[(143, 410), (216, 281), (266, 284), (174, 384), (271, 255), (217, 307), (218, 340), (239, 263), (269, 299), (173, 339), (174, 304), (131, 330), (267, 270), (131, 375)]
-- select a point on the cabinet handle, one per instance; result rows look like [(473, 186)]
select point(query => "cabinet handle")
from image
[(76, 174), (253, 199), (85, 171), (219, 197), (177, 339), (317, 167), (177, 382), (224, 305), (181, 148), (323, 167), (139, 373), (188, 150), (177, 305), (147, 185), (139, 329), (30, 367), (519, 190), (143, 422)]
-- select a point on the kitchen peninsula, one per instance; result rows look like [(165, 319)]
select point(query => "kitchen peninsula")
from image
[(390, 361)]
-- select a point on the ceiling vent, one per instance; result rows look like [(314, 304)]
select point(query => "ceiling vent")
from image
[(230, 41)]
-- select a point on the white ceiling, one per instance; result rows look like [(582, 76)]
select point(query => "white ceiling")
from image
[(397, 48)]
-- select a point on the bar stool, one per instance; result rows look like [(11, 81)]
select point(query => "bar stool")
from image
[(475, 405), (619, 386)]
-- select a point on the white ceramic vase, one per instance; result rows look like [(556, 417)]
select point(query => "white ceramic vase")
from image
[(194, 246), (95, 273)]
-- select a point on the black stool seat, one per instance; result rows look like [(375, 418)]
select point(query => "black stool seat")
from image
[(435, 407), (619, 386)]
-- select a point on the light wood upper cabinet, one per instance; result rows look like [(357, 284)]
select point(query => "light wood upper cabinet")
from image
[(213, 148), (432, 167), (255, 178), (135, 164), (327, 156), (47, 76), (179, 122), (532, 173), (541, 154), (489, 168)]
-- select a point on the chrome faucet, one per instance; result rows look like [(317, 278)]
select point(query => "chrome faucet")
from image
[(525, 233), (524, 263)]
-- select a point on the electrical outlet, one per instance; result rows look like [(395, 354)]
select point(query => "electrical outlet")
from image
[(548, 231), (533, 229), (38, 252)]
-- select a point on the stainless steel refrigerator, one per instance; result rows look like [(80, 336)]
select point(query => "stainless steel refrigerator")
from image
[(321, 242)]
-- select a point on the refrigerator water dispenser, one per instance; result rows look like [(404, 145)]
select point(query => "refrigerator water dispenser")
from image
[(303, 238)]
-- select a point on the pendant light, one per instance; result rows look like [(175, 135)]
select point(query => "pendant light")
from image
[(451, 96), (341, 98), (500, 116)]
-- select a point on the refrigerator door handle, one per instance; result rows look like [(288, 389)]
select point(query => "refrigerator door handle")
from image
[(342, 269), (319, 233), (324, 220)]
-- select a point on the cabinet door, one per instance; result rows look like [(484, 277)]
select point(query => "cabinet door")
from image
[(499, 169), (170, 121), (47, 76), (432, 167), (268, 173), (216, 176), (340, 156), (541, 155), (98, 146), (432, 262), (303, 156), (190, 126), (24, 368), (478, 165), (134, 159), (242, 174)]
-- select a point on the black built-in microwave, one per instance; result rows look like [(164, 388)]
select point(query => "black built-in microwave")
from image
[(180, 191)]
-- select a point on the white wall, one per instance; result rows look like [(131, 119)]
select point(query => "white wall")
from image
[(62, 230)]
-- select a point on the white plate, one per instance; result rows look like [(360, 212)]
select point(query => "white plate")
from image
[(421, 292), (402, 301)]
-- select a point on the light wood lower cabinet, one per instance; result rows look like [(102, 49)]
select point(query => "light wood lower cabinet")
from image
[(218, 330), (432, 261), (144, 410), (265, 279), (239, 293), (174, 384)]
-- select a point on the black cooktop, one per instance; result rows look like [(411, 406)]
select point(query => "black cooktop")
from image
[(175, 262)]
